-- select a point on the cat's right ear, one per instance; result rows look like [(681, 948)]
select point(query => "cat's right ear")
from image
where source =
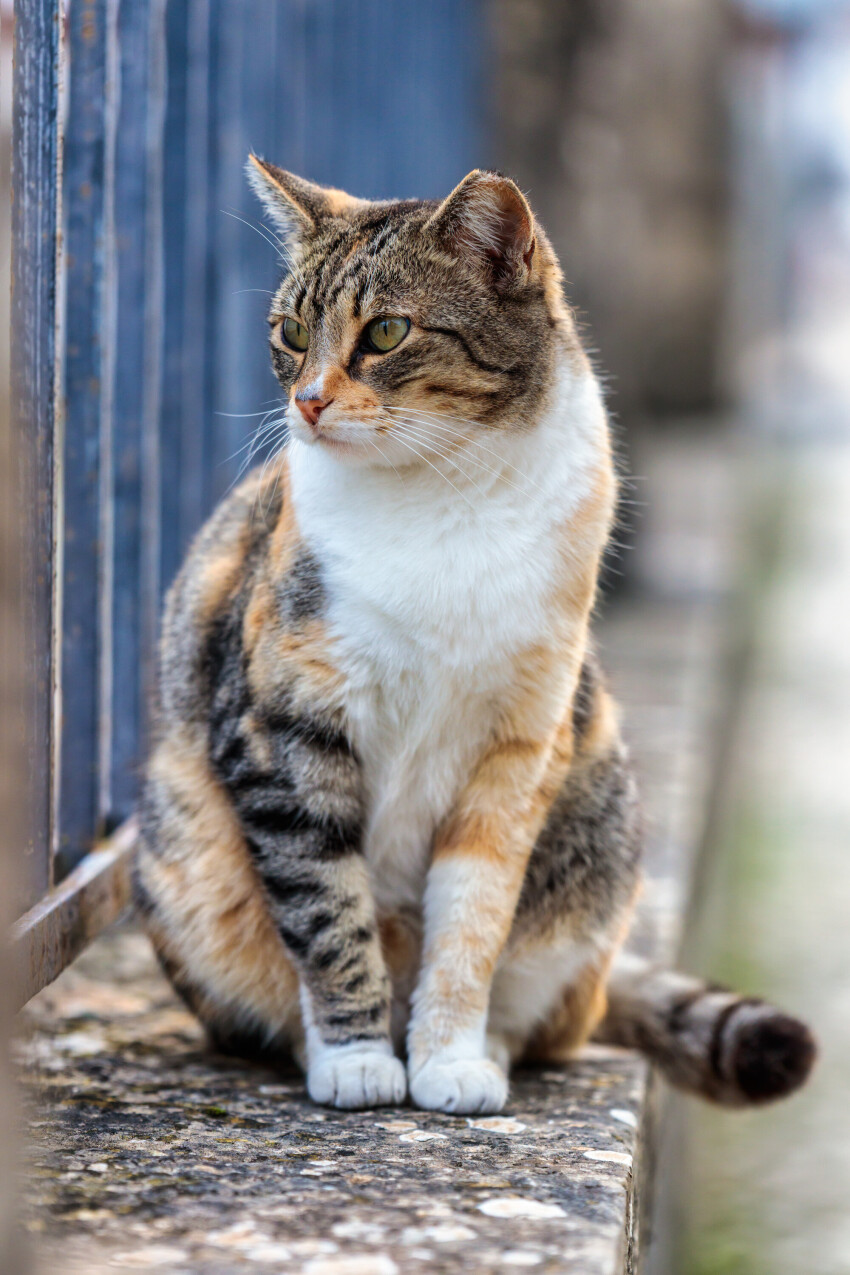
[(296, 206), (487, 222)]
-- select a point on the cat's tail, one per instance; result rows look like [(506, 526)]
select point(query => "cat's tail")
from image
[(733, 1049)]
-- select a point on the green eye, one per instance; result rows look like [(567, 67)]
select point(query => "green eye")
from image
[(295, 334), (385, 334)]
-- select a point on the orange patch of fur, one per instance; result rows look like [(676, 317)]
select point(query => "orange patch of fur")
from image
[(210, 916), (580, 1011)]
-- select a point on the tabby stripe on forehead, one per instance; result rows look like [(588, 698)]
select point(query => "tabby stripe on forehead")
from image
[(389, 231), (357, 303), (341, 268), (318, 264), (348, 273)]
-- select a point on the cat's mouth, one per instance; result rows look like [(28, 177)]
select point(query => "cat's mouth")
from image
[(321, 434)]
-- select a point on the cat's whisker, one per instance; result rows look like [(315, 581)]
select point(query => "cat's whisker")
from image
[(273, 456), (468, 442), (408, 445), (425, 437), (260, 230), (272, 240), (251, 443), (275, 432), (386, 460), (278, 435), (255, 438), (408, 431), (243, 415), (405, 429)]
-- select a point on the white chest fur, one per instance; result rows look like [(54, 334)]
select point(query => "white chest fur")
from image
[(433, 591)]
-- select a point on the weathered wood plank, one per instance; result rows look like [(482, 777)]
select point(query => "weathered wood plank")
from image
[(35, 209), (198, 328), (152, 424), (48, 937), (87, 447), (137, 337), (174, 199)]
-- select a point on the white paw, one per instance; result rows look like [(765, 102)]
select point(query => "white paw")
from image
[(357, 1078), (463, 1087)]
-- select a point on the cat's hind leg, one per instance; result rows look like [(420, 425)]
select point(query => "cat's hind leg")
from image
[(202, 904), (548, 998)]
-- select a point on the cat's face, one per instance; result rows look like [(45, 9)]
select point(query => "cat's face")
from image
[(401, 330)]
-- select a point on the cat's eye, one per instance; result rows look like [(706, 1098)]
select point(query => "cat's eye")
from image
[(385, 334), (295, 334)]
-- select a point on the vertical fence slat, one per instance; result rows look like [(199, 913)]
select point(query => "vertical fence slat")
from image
[(249, 100), (173, 196), (197, 304), (85, 153), (35, 154), (230, 31), (129, 530), (152, 538)]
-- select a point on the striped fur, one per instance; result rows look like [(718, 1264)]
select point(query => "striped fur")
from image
[(388, 812)]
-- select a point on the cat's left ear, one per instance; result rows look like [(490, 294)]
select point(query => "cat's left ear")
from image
[(295, 205), (487, 221)]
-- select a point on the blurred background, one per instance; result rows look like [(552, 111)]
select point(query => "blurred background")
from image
[(691, 162)]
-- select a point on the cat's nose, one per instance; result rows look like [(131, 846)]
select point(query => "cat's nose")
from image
[(312, 408)]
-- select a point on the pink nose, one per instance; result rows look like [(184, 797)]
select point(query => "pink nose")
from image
[(312, 408)]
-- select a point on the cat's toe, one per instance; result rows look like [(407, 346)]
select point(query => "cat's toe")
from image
[(351, 1081), (462, 1087)]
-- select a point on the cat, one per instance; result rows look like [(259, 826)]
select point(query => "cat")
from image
[(389, 825)]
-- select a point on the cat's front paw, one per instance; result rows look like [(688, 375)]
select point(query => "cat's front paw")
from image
[(464, 1086), (357, 1078)]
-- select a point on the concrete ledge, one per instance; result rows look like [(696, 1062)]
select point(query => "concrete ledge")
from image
[(148, 1153)]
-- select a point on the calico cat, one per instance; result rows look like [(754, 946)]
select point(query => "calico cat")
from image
[(389, 814)]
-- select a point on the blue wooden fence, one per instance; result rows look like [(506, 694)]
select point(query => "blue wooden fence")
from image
[(165, 273)]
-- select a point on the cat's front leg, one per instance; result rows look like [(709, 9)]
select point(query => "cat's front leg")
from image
[(474, 882), (296, 788)]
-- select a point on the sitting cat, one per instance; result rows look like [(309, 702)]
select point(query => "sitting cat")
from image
[(388, 812)]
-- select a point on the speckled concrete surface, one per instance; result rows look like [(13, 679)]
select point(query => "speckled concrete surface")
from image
[(148, 1153)]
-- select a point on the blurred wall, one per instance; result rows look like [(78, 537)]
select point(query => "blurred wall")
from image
[(608, 115)]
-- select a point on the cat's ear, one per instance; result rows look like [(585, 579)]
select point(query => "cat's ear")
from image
[(487, 220), (295, 205)]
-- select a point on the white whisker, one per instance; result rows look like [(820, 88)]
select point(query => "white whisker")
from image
[(468, 442), (436, 471), (423, 435), (404, 428), (386, 460), (242, 415), (272, 240)]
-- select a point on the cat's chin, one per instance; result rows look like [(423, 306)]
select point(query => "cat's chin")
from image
[(350, 449)]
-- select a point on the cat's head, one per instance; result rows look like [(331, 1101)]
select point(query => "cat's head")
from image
[(403, 329)]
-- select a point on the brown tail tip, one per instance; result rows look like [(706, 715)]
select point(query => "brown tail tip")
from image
[(772, 1056)]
